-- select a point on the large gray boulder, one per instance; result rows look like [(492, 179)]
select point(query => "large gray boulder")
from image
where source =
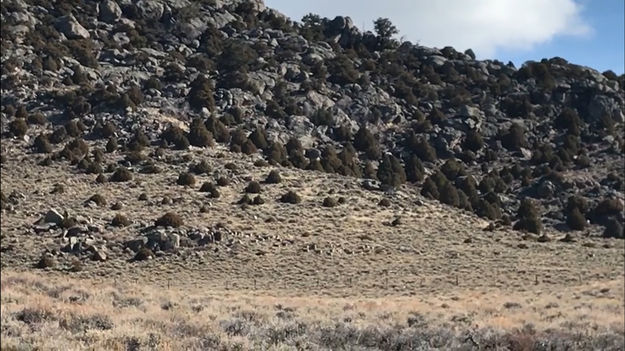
[(69, 26), (151, 9), (136, 244), (109, 11), (601, 105)]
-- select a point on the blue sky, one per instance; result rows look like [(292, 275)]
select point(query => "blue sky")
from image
[(585, 32)]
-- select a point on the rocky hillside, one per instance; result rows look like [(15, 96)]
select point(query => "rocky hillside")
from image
[(540, 145)]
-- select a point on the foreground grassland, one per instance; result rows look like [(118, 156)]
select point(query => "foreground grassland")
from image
[(53, 313)]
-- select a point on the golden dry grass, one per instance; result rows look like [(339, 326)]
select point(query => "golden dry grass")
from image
[(83, 314)]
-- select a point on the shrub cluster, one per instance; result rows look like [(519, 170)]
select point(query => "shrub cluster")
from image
[(528, 217), (169, 219)]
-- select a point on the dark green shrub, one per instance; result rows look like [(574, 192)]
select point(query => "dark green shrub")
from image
[(528, 216), (487, 184), (473, 140), (208, 187), (424, 150), (245, 200), (315, 165), (276, 153), (384, 203), (575, 219), (429, 189), (174, 135), (18, 127), (152, 83), (107, 130), (9, 110), (437, 117), (487, 210), (94, 168), (37, 118), (273, 177), (186, 179), (42, 144), (218, 129), (121, 175), (135, 157), (330, 160), (201, 94), (201, 167), (449, 195), (139, 141), (439, 179), (614, 229), (463, 201), (169, 219), (291, 198), (452, 169), (223, 181), (258, 200), (514, 138), (75, 149), (391, 172), (253, 187), (608, 207), (100, 179), (21, 112), (582, 161), (577, 202), (143, 254), (468, 186), (261, 163), (248, 147), (342, 71), (342, 133), (259, 138), (329, 202), (98, 155), (369, 171), (150, 168), (46, 261), (238, 137), (322, 117), (120, 221), (98, 200), (199, 135), (365, 141), (569, 119)]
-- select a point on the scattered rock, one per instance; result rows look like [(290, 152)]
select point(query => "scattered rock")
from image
[(69, 26)]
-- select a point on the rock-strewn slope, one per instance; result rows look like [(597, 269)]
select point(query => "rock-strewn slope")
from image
[(320, 95)]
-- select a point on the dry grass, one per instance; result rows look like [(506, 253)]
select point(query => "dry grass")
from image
[(41, 312)]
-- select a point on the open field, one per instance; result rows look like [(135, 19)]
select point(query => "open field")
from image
[(39, 311)]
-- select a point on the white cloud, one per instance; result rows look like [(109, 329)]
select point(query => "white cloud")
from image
[(482, 25)]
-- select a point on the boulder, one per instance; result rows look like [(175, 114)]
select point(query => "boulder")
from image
[(546, 190), (601, 105), (109, 11), (38, 228), (74, 231), (150, 9), (98, 254), (136, 244), (53, 216), (371, 184), (69, 26)]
